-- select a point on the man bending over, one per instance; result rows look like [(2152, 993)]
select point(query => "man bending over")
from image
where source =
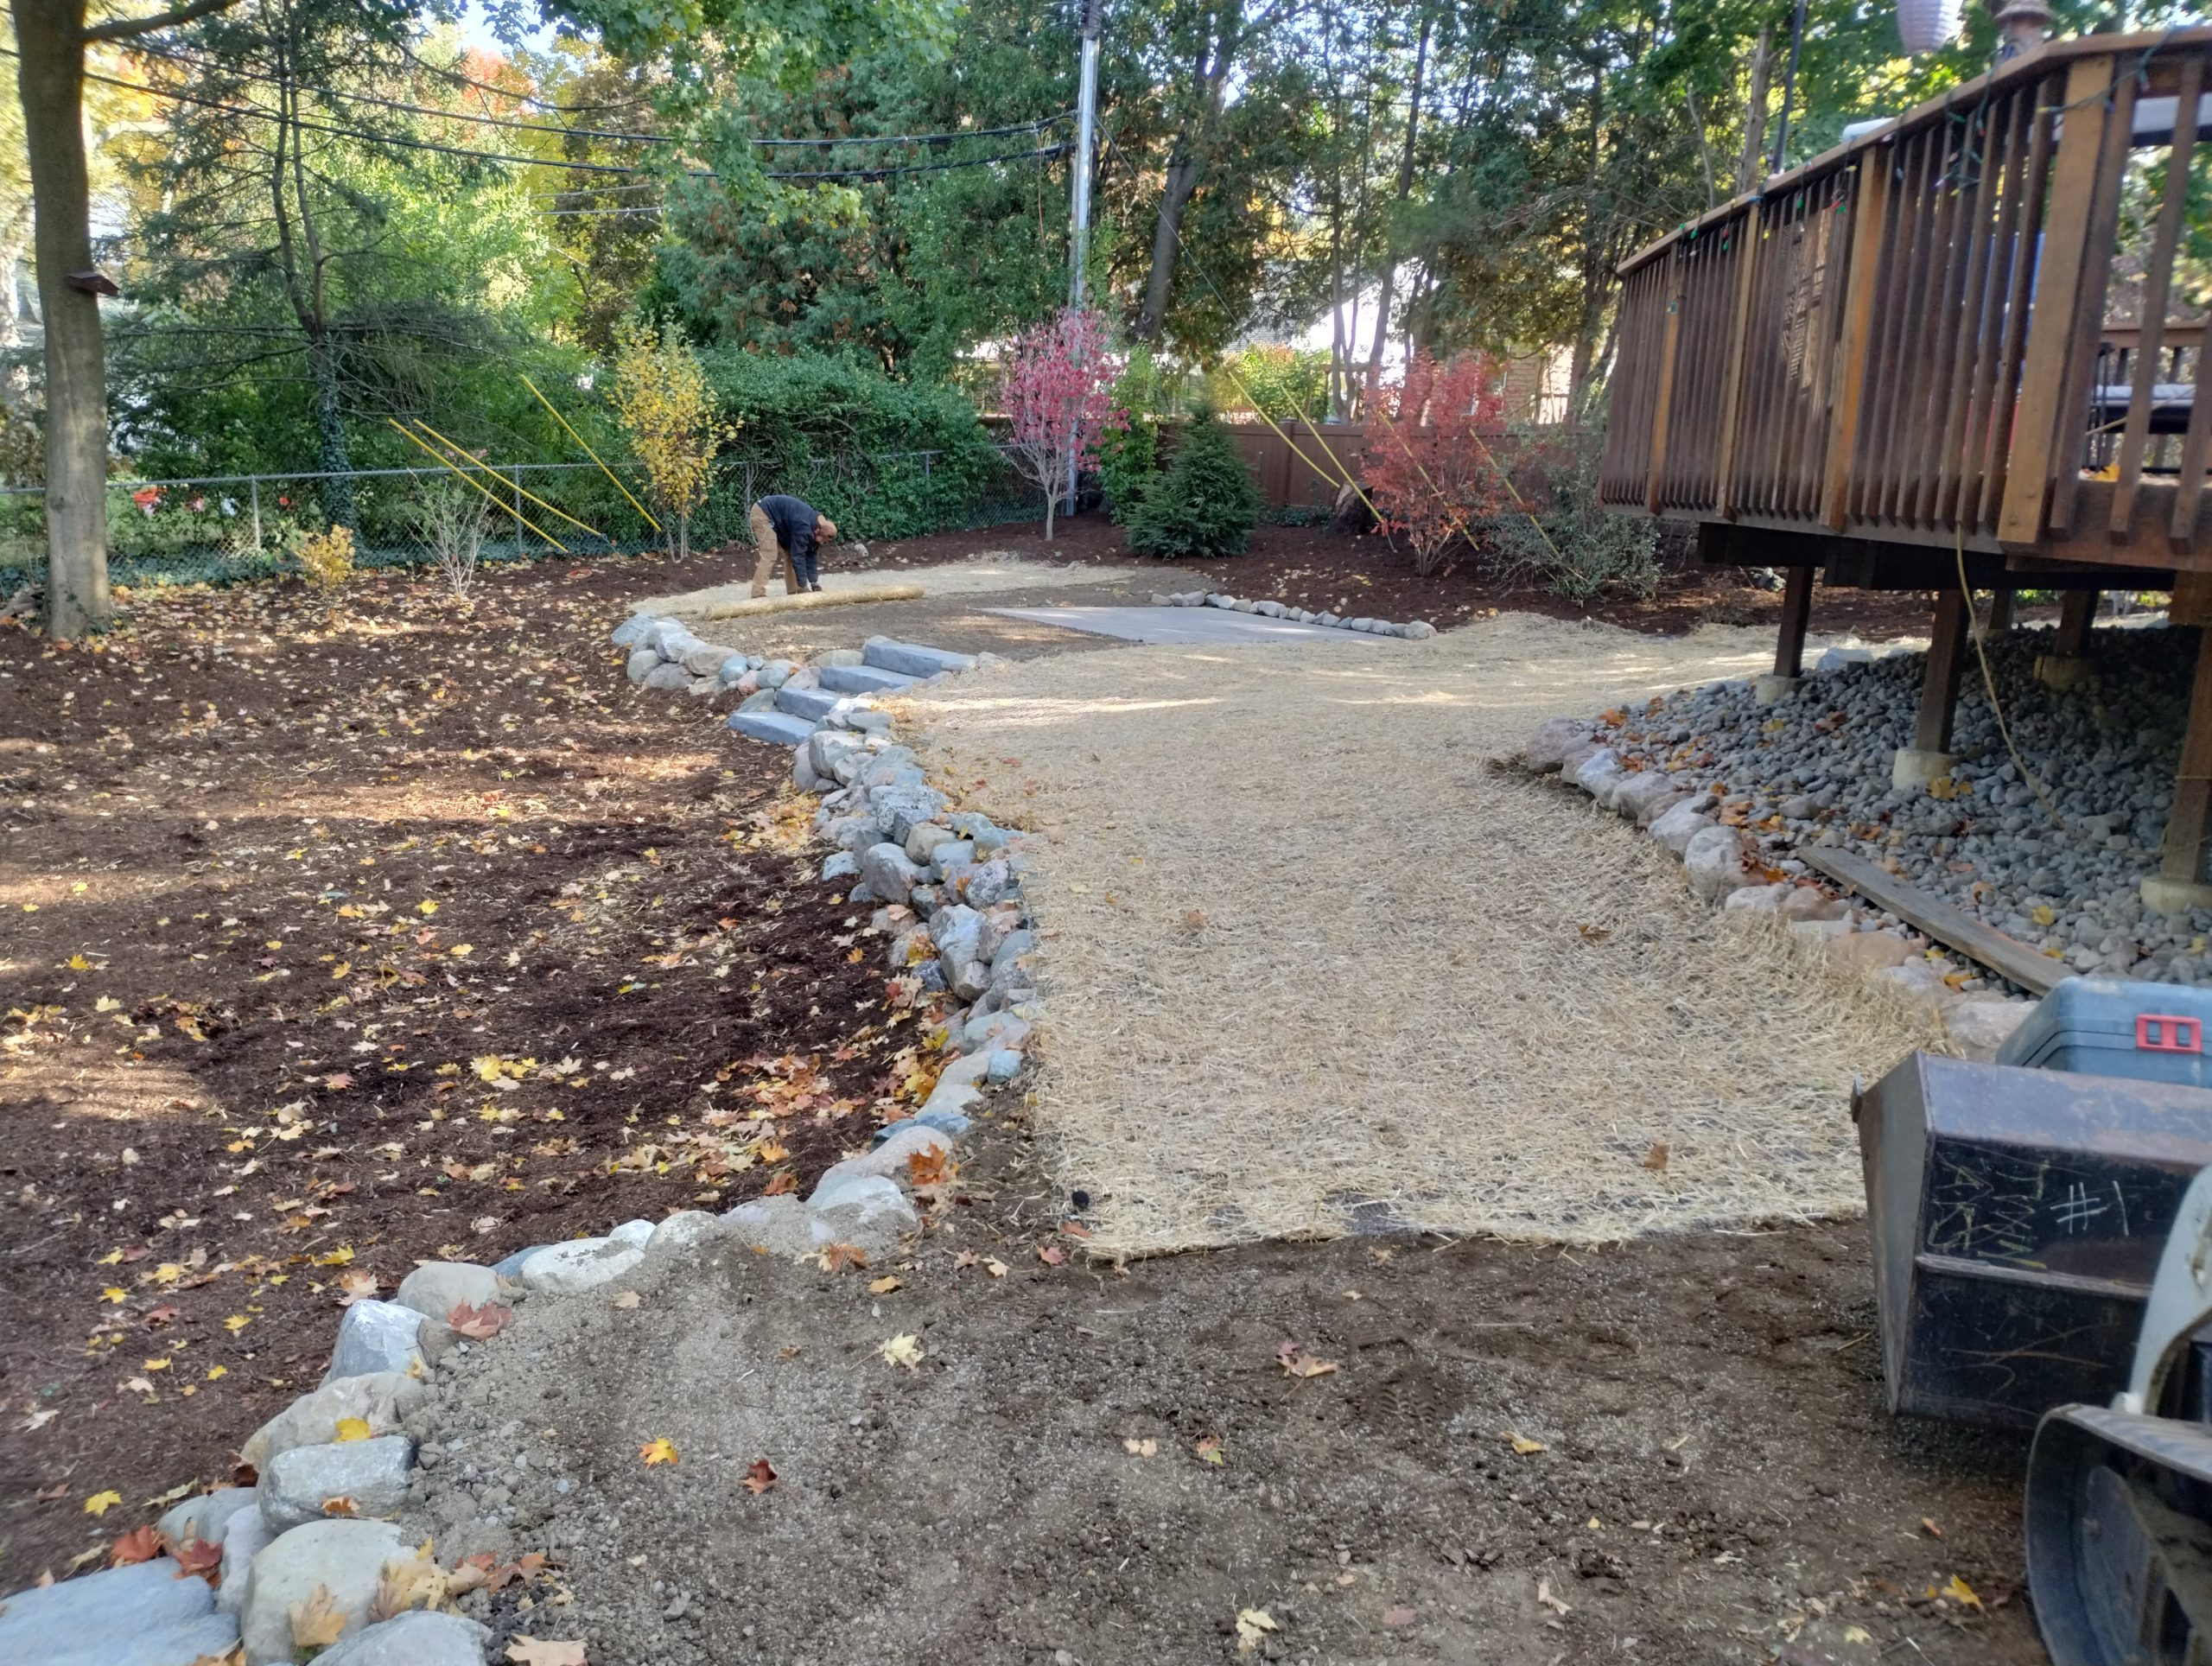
[(787, 529)]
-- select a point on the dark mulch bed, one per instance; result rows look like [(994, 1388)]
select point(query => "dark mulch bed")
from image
[(1312, 567), (285, 890)]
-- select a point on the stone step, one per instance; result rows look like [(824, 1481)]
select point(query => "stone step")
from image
[(912, 659), (97, 1616), (779, 726), (813, 704), (864, 679)]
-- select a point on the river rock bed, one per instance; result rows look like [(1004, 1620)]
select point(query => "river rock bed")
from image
[(1814, 768)]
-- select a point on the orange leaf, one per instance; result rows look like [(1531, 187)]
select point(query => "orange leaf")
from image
[(927, 1167), (140, 1544), (662, 1451), (760, 1476), (1051, 1254), (480, 1322), (199, 1556), (781, 1181)]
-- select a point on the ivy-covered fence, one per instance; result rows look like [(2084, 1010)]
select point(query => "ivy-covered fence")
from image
[(235, 529)]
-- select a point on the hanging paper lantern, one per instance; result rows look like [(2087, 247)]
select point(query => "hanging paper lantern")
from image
[(1925, 25)]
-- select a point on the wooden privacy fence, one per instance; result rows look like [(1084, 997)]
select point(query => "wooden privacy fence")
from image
[(1912, 337)]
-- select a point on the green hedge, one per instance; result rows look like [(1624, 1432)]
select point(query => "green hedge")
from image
[(840, 434)]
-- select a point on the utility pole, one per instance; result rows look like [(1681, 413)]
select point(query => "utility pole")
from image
[(1086, 137)]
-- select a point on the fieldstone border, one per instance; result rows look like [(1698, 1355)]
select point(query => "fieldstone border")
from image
[(1415, 630), (1728, 868), (313, 1538)]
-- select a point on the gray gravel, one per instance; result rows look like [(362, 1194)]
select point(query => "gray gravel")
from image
[(1815, 769)]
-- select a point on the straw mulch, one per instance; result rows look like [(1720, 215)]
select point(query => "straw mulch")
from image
[(1315, 962)]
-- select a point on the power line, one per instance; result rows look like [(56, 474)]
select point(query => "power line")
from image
[(561, 163), (620, 136)]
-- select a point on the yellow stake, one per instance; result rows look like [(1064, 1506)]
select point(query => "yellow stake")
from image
[(455, 445), (504, 508), (588, 452)]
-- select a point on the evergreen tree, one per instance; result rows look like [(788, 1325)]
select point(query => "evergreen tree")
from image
[(1204, 505)]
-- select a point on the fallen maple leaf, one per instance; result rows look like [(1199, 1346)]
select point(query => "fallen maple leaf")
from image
[(100, 1503), (781, 1181), (1137, 1448), (318, 1622), (532, 1651), (995, 1267), (1296, 1362), (480, 1322), (201, 1556), (1523, 1445), (927, 1167), (1051, 1254), (351, 1428), (414, 1582), (904, 1349), (140, 1544), (1209, 1450), (356, 1287), (662, 1451), (1253, 1625), (884, 1286), (339, 1506), (1959, 1591), (836, 1257), (627, 1301), (760, 1476)]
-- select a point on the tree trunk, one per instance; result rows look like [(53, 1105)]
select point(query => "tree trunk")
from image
[(1749, 166), (331, 453), (49, 39), (1168, 232), (1405, 190)]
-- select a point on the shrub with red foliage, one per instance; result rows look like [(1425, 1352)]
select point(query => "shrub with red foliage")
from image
[(1430, 469)]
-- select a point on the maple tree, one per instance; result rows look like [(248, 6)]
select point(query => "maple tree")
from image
[(1057, 394), (1430, 470)]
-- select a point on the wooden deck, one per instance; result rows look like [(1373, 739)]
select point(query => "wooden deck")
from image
[(1961, 352), (1905, 340)]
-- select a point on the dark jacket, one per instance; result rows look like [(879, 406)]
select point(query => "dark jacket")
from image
[(793, 519)]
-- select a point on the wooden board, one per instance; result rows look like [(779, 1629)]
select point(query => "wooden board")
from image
[(2007, 956)]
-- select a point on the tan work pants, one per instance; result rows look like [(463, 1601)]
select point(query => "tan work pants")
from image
[(768, 549)]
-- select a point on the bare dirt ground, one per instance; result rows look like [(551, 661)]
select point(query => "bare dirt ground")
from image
[(1671, 1450)]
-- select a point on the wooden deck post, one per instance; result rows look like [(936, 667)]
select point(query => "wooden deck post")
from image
[(2051, 348), (1654, 479), (1868, 226), (2179, 883), (2067, 662), (1789, 641), (1929, 757)]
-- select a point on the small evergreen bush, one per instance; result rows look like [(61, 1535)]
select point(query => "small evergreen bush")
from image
[(1204, 505)]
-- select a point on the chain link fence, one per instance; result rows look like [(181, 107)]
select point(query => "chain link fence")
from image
[(239, 528)]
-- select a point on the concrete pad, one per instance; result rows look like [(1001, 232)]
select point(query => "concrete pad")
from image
[(1182, 626), (779, 726)]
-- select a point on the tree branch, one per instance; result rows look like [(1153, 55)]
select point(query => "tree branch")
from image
[(127, 29)]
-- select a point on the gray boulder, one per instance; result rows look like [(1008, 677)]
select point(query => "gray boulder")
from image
[(415, 1639), (1713, 860), (568, 1269), (1645, 794), (776, 673), (99, 1619), (705, 659), (379, 1399), (642, 664), (343, 1558), (668, 677), (865, 1210), (1676, 826), (888, 1158), (630, 631), (681, 1230), (246, 1535), (924, 838), (1544, 750), (901, 807), (203, 1519), (843, 865), (298, 1484), (1600, 773), (886, 872), (437, 1287), (774, 1226), (376, 1336)]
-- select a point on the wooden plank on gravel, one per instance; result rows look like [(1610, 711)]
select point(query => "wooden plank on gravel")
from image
[(2007, 956)]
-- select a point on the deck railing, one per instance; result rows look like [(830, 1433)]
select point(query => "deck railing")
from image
[(1907, 339)]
